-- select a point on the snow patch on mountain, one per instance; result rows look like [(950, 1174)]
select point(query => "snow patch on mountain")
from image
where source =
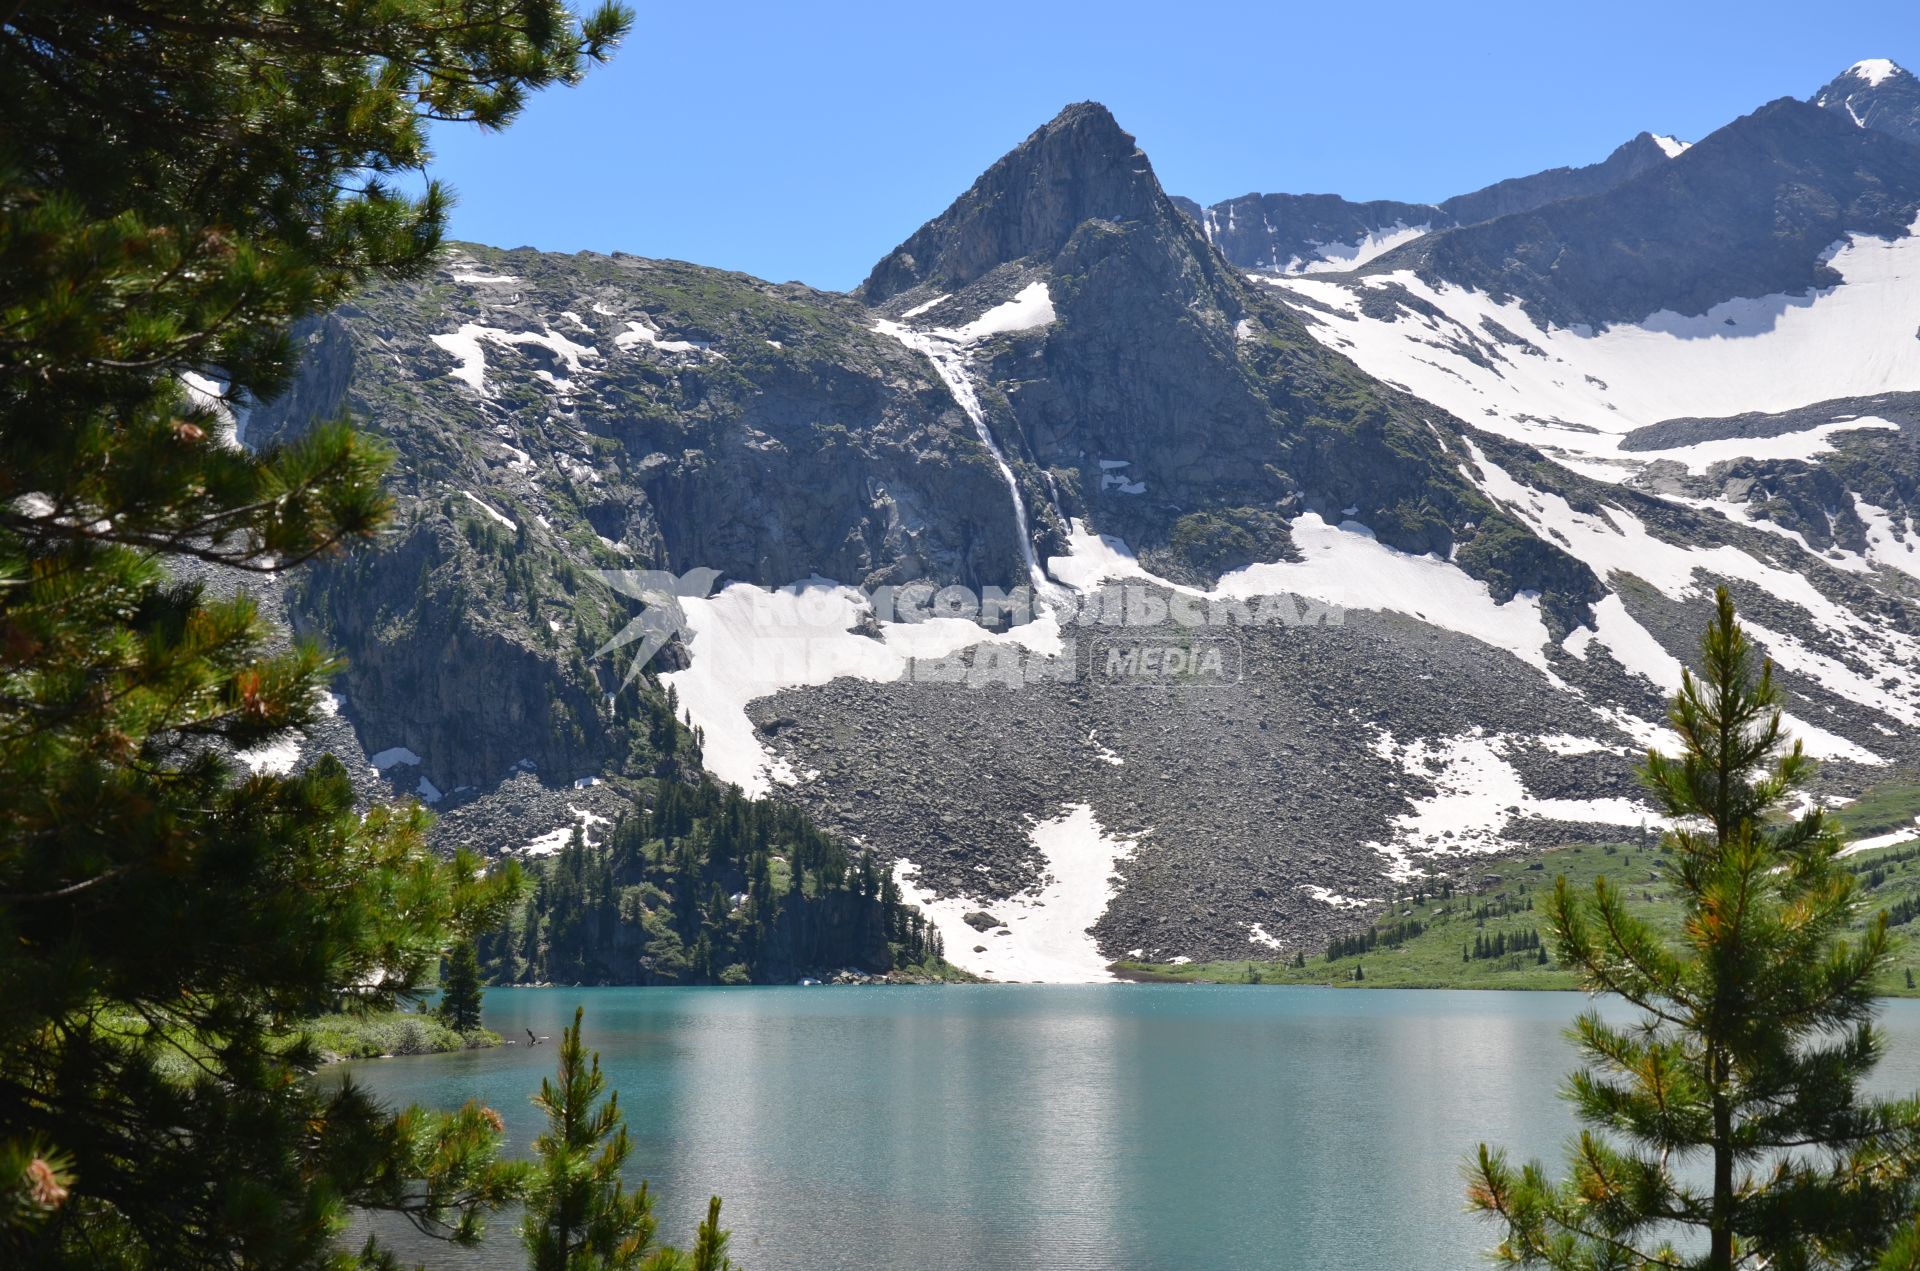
[(1575, 392), (500, 518), (1890, 544), (1875, 71), (1672, 147), (640, 331), (1478, 793), (1046, 937), (1328, 896), (748, 642), (588, 823), (1030, 308), (1345, 565), (1809, 443), (925, 305), (274, 758), (471, 358), (1905, 834), (211, 394), (385, 759), (1327, 258)]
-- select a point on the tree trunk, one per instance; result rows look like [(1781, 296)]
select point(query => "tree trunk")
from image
[(1720, 1252)]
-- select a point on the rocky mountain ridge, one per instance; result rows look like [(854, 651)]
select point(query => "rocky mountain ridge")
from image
[(1324, 233), (1449, 548)]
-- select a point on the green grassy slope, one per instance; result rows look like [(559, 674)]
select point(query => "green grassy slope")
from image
[(1429, 941)]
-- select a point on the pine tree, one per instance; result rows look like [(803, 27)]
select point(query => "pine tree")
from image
[(580, 1216), (710, 1244), (1756, 1028), (460, 991), (179, 183)]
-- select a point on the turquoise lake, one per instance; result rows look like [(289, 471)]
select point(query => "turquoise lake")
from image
[(1133, 1127)]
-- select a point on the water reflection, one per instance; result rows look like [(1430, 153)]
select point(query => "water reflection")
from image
[(1123, 1127)]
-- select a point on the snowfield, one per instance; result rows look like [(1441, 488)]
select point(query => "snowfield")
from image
[(1477, 795), (747, 643), (1575, 392), (1046, 938), (1330, 258)]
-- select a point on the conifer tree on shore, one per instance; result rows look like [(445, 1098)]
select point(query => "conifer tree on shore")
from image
[(1726, 1127), (580, 1216), (179, 183), (460, 991)]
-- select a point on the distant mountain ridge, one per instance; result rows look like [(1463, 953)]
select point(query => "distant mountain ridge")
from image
[(1750, 210), (1312, 233)]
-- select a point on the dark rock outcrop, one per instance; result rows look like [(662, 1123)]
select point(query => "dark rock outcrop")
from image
[(1081, 166)]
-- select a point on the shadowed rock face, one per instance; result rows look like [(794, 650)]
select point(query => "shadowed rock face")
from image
[(1876, 95), (1282, 231), (1524, 194), (1749, 211), (1082, 166)]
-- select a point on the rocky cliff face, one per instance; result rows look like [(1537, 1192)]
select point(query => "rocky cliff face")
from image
[(1078, 168), (1228, 417)]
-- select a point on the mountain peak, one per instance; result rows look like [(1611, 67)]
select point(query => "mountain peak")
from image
[(1874, 70), (1094, 117), (1079, 166), (1878, 94)]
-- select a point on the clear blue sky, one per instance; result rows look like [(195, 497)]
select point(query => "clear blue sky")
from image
[(803, 140)]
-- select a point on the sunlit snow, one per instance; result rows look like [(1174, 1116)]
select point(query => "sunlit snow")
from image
[(1875, 70), (1031, 307), (1329, 258), (747, 643), (1575, 393), (1048, 939), (1477, 795)]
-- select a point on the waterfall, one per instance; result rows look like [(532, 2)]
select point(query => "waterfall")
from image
[(949, 360)]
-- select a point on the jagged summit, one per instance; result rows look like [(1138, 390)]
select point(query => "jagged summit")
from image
[(1080, 166), (1878, 94)]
